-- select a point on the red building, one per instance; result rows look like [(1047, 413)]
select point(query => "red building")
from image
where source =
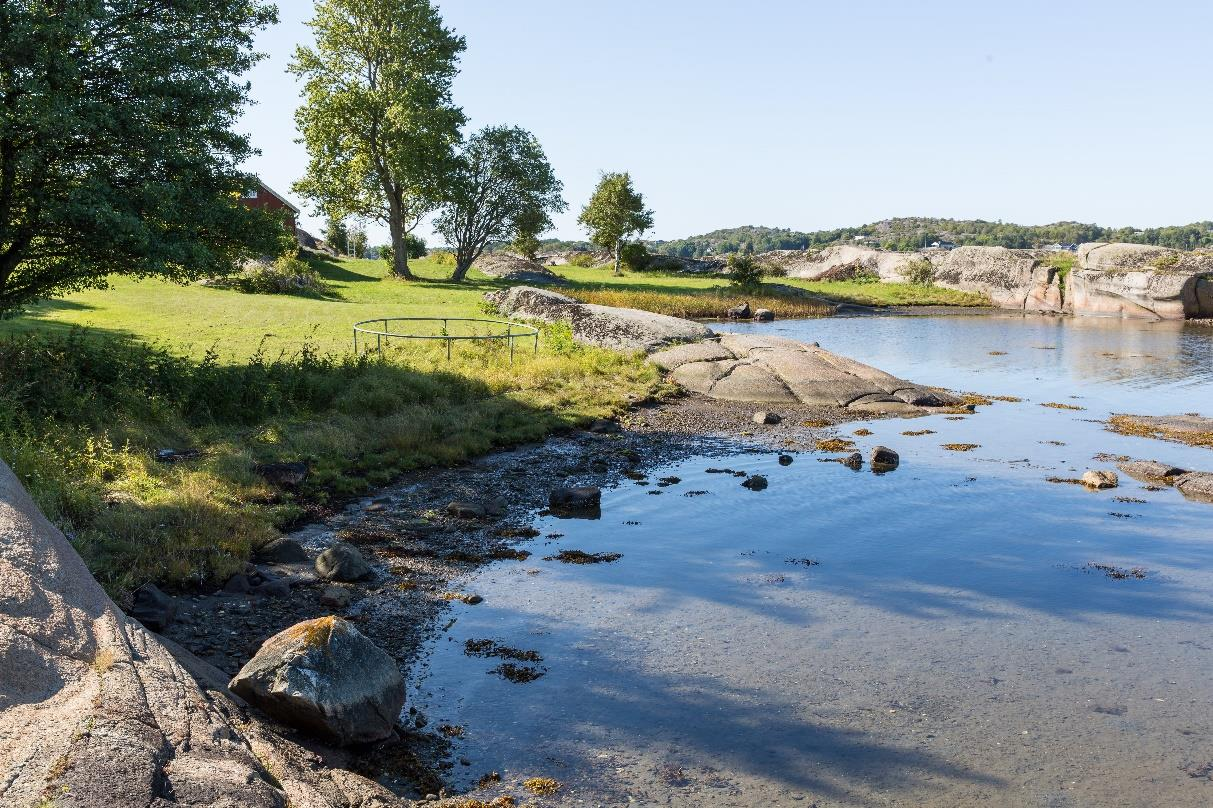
[(265, 197)]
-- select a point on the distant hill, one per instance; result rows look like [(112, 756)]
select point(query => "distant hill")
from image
[(912, 233)]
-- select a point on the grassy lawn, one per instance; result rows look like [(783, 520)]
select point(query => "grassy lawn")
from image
[(91, 385)]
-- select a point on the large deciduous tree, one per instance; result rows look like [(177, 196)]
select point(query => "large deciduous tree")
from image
[(615, 213), (116, 148), (502, 184), (377, 119)]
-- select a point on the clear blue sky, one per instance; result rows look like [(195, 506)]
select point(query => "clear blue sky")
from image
[(813, 115)]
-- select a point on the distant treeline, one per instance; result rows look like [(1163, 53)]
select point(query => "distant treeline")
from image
[(913, 233)]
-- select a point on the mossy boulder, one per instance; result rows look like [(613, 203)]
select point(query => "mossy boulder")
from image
[(324, 677)]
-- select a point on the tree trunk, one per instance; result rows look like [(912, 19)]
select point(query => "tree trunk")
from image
[(400, 253), (618, 250), (462, 265)]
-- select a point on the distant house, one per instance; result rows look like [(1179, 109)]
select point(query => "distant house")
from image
[(263, 196), (1062, 248), (943, 245)]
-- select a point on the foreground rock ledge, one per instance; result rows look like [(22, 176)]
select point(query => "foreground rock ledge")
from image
[(779, 370), (97, 711)]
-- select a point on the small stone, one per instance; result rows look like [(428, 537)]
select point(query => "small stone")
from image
[(283, 551), (284, 475), (761, 417), (605, 426), (1097, 479), (466, 510), (238, 584), (335, 597), (273, 588), (764, 315), (575, 499), (785, 460), (342, 562), (755, 483), (883, 457), (473, 600), (741, 312)]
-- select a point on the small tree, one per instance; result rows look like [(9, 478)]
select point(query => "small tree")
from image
[(337, 235), (358, 241), (116, 146), (745, 273), (531, 224), (378, 120), (415, 245), (503, 181), (615, 212)]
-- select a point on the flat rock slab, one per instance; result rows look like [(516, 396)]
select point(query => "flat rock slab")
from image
[(778, 370), (1194, 430), (604, 326)]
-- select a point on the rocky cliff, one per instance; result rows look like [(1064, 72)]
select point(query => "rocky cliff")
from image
[(1126, 280)]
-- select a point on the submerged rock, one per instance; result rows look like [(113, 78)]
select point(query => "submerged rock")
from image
[(342, 562), (853, 461), (325, 677), (755, 483), (575, 499), (1098, 479)]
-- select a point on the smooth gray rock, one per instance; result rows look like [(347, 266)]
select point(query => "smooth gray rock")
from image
[(284, 475), (323, 676), (514, 268), (1151, 471), (604, 326), (336, 597), (342, 562), (767, 418), (466, 510), (764, 315), (741, 312), (775, 370), (283, 551)]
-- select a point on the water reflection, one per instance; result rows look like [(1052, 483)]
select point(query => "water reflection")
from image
[(951, 643)]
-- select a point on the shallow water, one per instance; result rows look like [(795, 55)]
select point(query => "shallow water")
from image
[(950, 646)]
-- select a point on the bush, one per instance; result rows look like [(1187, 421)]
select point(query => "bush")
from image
[(744, 272), (289, 275), (919, 272), (582, 259), (443, 258), (635, 256)]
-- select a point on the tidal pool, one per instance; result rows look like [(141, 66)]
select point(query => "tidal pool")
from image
[(943, 635)]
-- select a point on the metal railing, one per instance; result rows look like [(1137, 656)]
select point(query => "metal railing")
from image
[(513, 332)]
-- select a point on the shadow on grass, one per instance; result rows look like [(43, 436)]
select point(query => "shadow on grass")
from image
[(82, 415)]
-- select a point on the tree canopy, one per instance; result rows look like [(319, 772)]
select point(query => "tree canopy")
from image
[(615, 212), (502, 183), (377, 119), (116, 147)]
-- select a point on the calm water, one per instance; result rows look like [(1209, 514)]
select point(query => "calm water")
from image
[(948, 647)]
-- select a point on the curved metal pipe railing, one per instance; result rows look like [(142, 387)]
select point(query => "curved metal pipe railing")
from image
[(513, 332)]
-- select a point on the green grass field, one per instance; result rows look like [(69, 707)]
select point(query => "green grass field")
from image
[(91, 385)]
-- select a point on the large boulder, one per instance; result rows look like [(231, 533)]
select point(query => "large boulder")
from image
[(778, 370), (1197, 485), (1007, 277), (1140, 280), (100, 713), (323, 676), (605, 326), (513, 268), (814, 264), (342, 562)]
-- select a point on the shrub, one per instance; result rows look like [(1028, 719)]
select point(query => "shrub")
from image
[(1165, 261), (443, 258), (635, 256), (744, 272), (919, 272), (289, 275), (582, 259)]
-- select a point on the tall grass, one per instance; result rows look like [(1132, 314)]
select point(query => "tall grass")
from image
[(82, 415), (708, 304)]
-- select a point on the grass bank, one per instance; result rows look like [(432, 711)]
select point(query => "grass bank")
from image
[(93, 385)]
